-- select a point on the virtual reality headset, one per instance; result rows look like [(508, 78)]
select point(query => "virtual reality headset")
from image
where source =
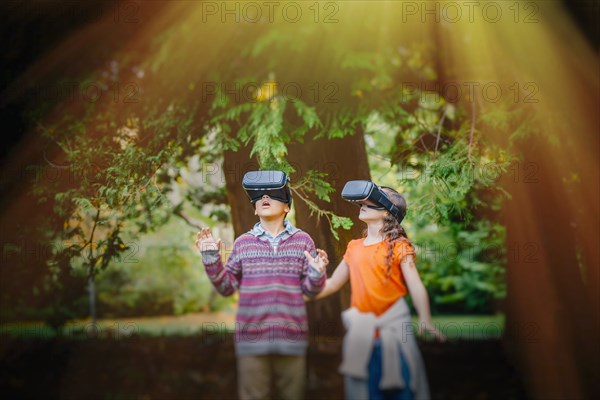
[(371, 195), (272, 183)]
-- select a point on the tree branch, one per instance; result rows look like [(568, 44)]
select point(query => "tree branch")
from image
[(188, 220), (91, 257), (472, 127), (439, 132)]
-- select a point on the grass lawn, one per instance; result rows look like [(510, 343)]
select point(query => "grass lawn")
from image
[(459, 327)]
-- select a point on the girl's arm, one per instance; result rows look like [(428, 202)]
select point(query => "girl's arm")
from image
[(419, 296), (338, 279)]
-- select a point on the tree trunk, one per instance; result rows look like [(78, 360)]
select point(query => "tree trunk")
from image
[(92, 298), (553, 269), (552, 316), (235, 165), (343, 159)]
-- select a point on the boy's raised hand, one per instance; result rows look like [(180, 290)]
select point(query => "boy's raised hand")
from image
[(206, 241), (319, 262)]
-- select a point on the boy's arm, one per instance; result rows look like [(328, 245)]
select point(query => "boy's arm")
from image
[(224, 278), (313, 271)]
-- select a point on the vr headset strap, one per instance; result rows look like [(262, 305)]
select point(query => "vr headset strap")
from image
[(384, 201)]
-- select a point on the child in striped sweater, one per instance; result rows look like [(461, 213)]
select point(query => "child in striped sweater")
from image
[(272, 266)]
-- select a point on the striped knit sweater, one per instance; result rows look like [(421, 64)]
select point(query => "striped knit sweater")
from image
[(271, 316)]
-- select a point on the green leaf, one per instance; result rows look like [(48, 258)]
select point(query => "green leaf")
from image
[(344, 222), (308, 114), (84, 203)]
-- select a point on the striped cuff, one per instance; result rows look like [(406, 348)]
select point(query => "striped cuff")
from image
[(210, 256), (313, 273)]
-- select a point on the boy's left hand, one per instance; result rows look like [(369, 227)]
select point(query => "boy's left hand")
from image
[(319, 262)]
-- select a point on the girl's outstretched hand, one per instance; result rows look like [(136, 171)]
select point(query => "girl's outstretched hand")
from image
[(319, 262), (427, 326), (206, 241)]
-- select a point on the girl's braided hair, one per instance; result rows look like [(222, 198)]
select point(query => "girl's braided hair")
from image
[(392, 231)]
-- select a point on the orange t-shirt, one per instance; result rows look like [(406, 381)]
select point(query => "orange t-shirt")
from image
[(372, 290)]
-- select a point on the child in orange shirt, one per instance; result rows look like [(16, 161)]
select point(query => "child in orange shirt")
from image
[(380, 354)]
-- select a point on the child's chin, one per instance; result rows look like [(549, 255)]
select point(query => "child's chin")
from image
[(365, 217), (270, 214)]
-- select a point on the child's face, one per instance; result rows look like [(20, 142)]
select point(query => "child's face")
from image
[(367, 214), (266, 207)]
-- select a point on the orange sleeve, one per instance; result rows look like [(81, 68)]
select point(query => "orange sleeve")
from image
[(402, 249), (347, 253)]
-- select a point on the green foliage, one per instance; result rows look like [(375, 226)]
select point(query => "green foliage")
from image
[(451, 179), (118, 174), (314, 182), (462, 268), (263, 125), (118, 164), (161, 275), (449, 175)]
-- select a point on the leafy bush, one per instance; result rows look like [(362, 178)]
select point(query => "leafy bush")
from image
[(163, 276)]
